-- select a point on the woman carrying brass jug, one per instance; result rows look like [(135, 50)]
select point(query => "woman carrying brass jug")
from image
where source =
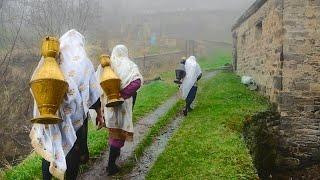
[(119, 118), (63, 146), (188, 88)]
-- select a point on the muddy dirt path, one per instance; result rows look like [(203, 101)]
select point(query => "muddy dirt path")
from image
[(142, 167), (98, 169), (151, 154)]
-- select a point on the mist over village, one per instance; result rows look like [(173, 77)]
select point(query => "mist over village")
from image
[(168, 89)]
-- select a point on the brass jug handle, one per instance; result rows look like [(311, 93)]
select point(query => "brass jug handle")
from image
[(50, 47), (105, 60)]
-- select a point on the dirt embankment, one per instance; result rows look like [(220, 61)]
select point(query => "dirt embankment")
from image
[(15, 109), (262, 138)]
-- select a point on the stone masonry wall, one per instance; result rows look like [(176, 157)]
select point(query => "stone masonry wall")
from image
[(278, 44), (299, 101), (259, 45)]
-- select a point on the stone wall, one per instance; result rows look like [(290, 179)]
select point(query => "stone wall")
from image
[(299, 101), (258, 42), (278, 43)]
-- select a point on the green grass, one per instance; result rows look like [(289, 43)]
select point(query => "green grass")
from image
[(149, 98), (30, 168), (216, 60), (168, 77), (163, 121), (154, 50), (97, 140), (148, 139), (209, 144)]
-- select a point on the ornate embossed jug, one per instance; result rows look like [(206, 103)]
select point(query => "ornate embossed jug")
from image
[(110, 82), (48, 85)]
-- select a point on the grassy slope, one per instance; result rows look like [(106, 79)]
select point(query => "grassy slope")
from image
[(149, 98), (209, 144), (216, 60)]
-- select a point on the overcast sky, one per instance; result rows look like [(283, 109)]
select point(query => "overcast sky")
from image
[(210, 27), (161, 5)]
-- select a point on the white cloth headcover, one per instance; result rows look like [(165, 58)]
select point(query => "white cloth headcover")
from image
[(127, 70), (193, 71), (55, 141)]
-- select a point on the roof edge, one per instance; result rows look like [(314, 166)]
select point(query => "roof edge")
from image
[(252, 9)]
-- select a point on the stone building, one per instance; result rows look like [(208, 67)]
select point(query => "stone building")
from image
[(277, 42)]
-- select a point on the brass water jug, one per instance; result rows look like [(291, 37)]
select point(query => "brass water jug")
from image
[(48, 85), (110, 83)]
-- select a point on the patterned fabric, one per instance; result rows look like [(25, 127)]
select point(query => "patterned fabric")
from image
[(53, 142), (119, 119), (79, 149)]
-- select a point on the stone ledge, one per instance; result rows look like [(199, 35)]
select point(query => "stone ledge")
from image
[(253, 9)]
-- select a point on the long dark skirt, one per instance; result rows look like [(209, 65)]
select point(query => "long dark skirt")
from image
[(79, 154), (191, 96), (134, 98)]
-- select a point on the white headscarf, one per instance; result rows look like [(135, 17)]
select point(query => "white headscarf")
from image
[(121, 117), (55, 141), (127, 70), (193, 71)]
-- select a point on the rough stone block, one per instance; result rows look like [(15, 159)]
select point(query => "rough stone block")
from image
[(315, 86), (288, 163), (317, 114), (299, 58), (277, 82), (286, 99), (304, 86)]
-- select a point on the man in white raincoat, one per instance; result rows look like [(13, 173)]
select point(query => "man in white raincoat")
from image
[(119, 119), (63, 146), (189, 87)]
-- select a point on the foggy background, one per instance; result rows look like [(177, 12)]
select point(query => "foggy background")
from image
[(188, 19), (146, 27)]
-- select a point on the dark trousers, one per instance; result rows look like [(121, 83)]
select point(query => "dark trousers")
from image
[(134, 97), (191, 96), (79, 154)]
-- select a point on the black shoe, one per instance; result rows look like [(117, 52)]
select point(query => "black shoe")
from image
[(185, 112), (112, 168), (190, 109)]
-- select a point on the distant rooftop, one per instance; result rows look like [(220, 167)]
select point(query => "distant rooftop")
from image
[(253, 9)]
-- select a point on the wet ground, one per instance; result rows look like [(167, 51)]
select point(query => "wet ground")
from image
[(159, 144), (152, 153), (98, 169), (144, 164)]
